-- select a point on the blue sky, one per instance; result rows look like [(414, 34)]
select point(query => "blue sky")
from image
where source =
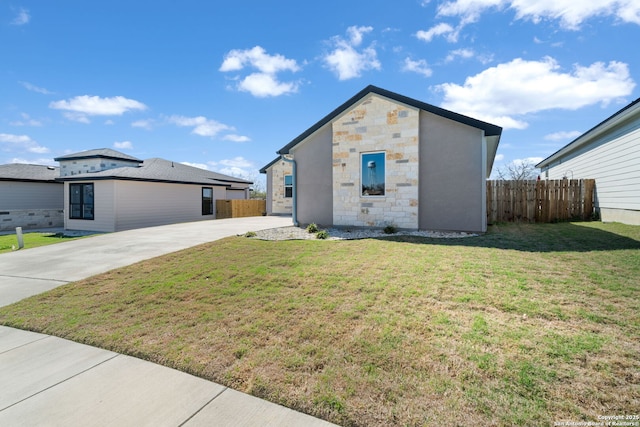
[(223, 85)]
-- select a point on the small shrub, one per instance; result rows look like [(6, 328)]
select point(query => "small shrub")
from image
[(312, 228), (250, 234), (390, 229), (322, 234)]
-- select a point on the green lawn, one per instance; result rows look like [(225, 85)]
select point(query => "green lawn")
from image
[(526, 325), (9, 242)]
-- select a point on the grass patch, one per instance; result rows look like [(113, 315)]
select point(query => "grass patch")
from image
[(9, 242), (526, 325)]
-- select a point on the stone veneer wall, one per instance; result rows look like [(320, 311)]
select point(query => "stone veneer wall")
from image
[(376, 125), (279, 203), (77, 167), (31, 218)]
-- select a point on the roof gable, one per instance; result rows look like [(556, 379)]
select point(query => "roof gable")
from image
[(161, 170), (489, 129)]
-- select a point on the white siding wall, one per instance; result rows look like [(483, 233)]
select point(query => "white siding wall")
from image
[(146, 204), (614, 162), (30, 204), (30, 195), (103, 208)]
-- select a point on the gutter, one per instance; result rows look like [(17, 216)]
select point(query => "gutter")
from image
[(294, 210)]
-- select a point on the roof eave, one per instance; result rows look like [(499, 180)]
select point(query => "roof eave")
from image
[(593, 133)]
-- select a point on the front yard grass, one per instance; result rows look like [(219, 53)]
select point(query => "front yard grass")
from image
[(526, 325), (9, 242)]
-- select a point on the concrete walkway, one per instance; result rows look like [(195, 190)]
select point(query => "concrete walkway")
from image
[(50, 381)]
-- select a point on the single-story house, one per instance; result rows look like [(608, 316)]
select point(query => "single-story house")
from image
[(610, 154), (279, 186), (383, 159), (105, 190), (30, 197)]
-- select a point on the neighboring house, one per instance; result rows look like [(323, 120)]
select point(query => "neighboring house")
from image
[(610, 154), (105, 190), (30, 197), (279, 187), (385, 159)]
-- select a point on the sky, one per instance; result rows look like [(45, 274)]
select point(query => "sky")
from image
[(224, 85)]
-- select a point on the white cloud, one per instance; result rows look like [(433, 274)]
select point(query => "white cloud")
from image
[(196, 165), (80, 107), (26, 121), (41, 161), (441, 29), (506, 92), (34, 88), (570, 13), (420, 67), (460, 53), (563, 136), (76, 117), (499, 157), (201, 125), (258, 58), (144, 124), (264, 83), (356, 34), (123, 145), (236, 138), (21, 18), (12, 143), (237, 166), (345, 60)]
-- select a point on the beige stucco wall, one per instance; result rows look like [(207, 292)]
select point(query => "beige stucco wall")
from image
[(376, 125), (314, 178), (452, 175)]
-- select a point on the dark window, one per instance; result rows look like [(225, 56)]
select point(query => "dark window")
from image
[(81, 201), (288, 186), (207, 201)]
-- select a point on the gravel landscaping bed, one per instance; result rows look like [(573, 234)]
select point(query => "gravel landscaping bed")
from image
[(298, 233)]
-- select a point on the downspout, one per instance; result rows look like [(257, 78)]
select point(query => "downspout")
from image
[(294, 210)]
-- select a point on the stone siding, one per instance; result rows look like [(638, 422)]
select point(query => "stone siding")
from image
[(279, 203), (376, 125), (31, 218), (77, 167)]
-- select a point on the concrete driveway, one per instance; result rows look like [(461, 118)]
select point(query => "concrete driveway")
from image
[(32, 271), (55, 382)]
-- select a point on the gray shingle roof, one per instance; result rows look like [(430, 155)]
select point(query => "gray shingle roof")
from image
[(24, 172), (488, 128), (99, 152), (161, 170)]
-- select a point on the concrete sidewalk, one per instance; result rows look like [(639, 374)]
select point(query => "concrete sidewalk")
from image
[(55, 382)]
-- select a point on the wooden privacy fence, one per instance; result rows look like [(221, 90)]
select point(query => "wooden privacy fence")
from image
[(540, 201), (240, 208)]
